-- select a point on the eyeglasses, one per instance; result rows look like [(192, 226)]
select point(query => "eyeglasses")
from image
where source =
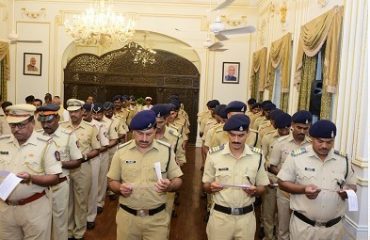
[(20, 125)]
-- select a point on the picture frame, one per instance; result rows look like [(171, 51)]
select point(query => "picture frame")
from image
[(32, 64), (230, 72)]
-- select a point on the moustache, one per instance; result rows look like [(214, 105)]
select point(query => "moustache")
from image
[(145, 142), (236, 143)]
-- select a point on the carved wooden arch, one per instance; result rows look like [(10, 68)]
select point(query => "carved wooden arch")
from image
[(115, 73)]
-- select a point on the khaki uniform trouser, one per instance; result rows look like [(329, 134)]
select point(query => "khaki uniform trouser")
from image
[(268, 212), (111, 151), (130, 227), (222, 226), (93, 195), (283, 214), (60, 198), (80, 183), (31, 221), (303, 231), (102, 181)]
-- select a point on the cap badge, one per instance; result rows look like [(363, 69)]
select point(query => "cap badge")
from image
[(159, 115), (332, 134), (150, 125), (242, 109), (241, 128)]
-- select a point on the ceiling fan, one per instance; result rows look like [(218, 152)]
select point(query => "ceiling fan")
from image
[(13, 36), (220, 31)]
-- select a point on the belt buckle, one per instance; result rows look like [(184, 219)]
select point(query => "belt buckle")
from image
[(12, 203), (142, 213), (320, 224), (235, 211)]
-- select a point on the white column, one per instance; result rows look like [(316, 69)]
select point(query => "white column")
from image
[(352, 108)]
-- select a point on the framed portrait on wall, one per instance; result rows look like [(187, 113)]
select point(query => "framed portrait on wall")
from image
[(32, 64), (230, 72)]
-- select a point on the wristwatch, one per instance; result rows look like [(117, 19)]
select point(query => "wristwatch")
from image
[(85, 157)]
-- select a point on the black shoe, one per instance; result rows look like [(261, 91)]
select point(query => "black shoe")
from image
[(78, 238), (71, 238), (90, 225), (113, 197), (99, 210)]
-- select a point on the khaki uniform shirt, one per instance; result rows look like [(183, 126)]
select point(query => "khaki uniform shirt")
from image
[(253, 118), (66, 144), (259, 121), (180, 124), (267, 145), (36, 156), (102, 132), (222, 167), (283, 147), (305, 167), (211, 122), (172, 137), (210, 134), (203, 119), (185, 115), (129, 165), (112, 128), (4, 126), (87, 136)]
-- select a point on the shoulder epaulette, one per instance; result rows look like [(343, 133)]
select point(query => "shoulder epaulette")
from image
[(164, 143), (282, 138), (44, 138), (257, 150), (298, 152), (5, 136), (342, 154), (67, 131), (39, 130), (124, 144), (174, 126), (216, 149), (253, 131), (174, 133), (219, 130)]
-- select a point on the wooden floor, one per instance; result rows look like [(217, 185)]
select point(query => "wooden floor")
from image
[(189, 224)]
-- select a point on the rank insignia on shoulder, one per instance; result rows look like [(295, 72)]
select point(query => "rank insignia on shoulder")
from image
[(342, 154), (44, 138), (130, 161), (257, 150), (5, 136), (298, 152), (174, 133), (164, 143), (216, 149)]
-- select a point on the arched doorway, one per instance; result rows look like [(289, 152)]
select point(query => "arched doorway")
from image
[(115, 73)]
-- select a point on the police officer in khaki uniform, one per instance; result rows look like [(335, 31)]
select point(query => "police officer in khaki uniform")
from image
[(4, 126), (282, 122), (262, 119), (301, 122), (80, 178), (234, 173), (70, 157), (316, 177), (221, 117), (26, 213), (178, 121), (142, 199)]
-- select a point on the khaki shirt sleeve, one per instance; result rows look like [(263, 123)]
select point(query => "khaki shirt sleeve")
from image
[(209, 171), (180, 151), (261, 177), (115, 168), (51, 164), (95, 144), (351, 178), (113, 131), (288, 171), (103, 135), (74, 151), (174, 170), (208, 138), (5, 129), (275, 155)]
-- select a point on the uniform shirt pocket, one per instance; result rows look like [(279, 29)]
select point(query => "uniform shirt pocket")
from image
[(306, 176), (223, 176), (129, 170)]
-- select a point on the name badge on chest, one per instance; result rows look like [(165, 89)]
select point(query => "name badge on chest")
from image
[(130, 161), (4, 153), (309, 169), (223, 169)]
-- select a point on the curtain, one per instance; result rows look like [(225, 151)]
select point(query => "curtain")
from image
[(258, 73), (5, 68), (308, 76), (280, 53), (323, 29)]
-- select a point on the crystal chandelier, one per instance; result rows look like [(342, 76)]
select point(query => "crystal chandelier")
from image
[(99, 25), (142, 55)]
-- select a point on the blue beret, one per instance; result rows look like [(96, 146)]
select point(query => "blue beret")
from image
[(283, 120), (268, 106), (323, 129), (48, 108), (220, 110), (87, 107), (213, 103), (237, 122), (302, 116), (176, 103), (143, 120), (117, 97), (132, 98), (97, 108), (275, 113), (161, 110), (256, 105), (108, 105), (124, 98), (236, 106)]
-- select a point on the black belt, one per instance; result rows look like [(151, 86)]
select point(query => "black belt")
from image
[(234, 211), (143, 212), (327, 224)]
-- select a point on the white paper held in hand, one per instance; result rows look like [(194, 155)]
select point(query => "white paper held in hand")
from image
[(7, 186), (158, 171), (352, 200)]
